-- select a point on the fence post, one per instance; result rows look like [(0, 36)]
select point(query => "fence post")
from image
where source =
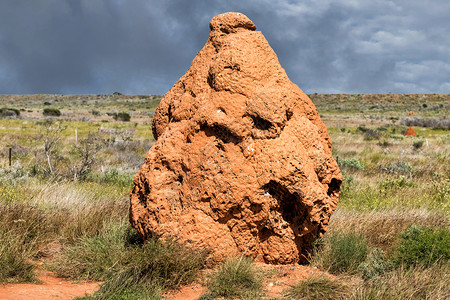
[(10, 156)]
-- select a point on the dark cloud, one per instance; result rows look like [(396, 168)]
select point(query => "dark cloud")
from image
[(143, 47)]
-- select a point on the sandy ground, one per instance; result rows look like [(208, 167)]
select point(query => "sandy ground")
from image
[(52, 287)]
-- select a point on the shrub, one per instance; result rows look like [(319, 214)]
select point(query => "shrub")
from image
[(95, 113), (9, 112), (375, 265), (236, 278), (122, 116), (340, 252), (113, 177), (318, 288), (419, 245), (418, 144), (371, 134), (437, 123), (399, 167), (384, 144), (350, 163), (395, 183), (52, 112), (362, 128)]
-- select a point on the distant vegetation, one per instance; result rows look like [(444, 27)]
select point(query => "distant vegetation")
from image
[(53, 112), (65, 201)]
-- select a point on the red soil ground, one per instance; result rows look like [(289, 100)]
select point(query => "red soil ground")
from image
[(52, 287)]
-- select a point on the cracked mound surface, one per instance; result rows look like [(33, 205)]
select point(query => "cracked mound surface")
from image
[(242, 161)]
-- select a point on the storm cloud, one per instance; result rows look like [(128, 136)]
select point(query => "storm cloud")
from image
[(143, 47)]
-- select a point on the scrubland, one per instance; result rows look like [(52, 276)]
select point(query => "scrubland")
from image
[(64, 201)]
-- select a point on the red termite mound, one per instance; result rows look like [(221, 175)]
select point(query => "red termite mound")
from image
[(410, 131), (242, 161)]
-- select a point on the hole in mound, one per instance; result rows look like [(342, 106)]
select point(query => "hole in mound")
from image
[(221, 133), (334, 186), (260, 123), (289, 115), (289, 203)]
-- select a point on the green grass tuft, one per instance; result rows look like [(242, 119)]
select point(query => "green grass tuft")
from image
[(127, 266), (15, 257), (236, 278), (341, 252)]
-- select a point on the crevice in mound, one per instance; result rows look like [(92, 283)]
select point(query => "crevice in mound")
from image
[(210, 80), (289, 115), (334, 186), (221, 133), (169, 114), (260, 123), (289, 203), (264, 233)]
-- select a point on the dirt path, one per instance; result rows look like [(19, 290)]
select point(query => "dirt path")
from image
[(280, 279), (52, 287)]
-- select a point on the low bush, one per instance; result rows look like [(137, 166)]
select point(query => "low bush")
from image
[(236, 278), (371, 134), (350, 164), (418, 144), (391, 183), (122, 116), (51, 112), (113, 176), (420, 245), (9, 112), (376, 265), (340, 252), (399, 167), (437, 123), (384, 144)]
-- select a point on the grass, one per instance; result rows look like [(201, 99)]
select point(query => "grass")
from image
[(15, 259), (117, 257), (237, 277), (318, 287), (340, 252), (419, 282)]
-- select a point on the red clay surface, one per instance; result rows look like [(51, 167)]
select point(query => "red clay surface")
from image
[(52, 287)]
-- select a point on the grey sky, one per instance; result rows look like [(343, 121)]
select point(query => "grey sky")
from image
[(144, 46)]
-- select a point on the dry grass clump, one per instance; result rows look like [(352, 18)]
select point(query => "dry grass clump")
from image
[(382, 228), (130, 269), (419, 282), (322, 287), (15, 258)]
